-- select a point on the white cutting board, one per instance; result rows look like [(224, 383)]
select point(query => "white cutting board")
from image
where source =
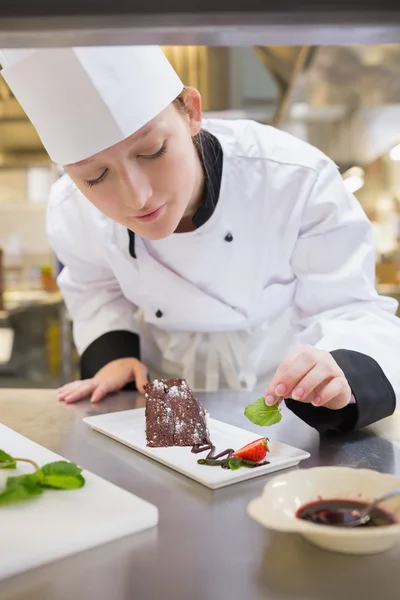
[(128, 427), (61, 523)]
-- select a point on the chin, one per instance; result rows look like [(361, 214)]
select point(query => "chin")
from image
[(160, 229), (153, 236), (157, 231)]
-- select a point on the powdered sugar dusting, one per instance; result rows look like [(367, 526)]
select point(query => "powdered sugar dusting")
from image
[(158, 385), (179, 392), (179, 425)]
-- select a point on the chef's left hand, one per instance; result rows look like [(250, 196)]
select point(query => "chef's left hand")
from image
[(310, 375)]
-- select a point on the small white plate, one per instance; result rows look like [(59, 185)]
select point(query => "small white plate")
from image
[(276, 508), (128, 427)]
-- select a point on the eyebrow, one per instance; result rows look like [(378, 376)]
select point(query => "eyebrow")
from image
[(138, 136)]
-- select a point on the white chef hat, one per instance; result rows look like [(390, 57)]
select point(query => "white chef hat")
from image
[(84, 100)]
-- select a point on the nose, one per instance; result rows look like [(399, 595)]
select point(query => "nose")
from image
[(135, 187)]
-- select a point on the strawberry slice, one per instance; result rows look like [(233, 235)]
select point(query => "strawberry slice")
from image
[(255, 451)]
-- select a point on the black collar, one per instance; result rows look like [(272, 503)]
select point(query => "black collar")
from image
[(211, 155)]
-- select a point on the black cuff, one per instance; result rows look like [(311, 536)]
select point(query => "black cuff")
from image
[(375, 397), (109, 347)]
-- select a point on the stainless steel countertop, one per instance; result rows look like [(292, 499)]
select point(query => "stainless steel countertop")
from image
[(205, 546)]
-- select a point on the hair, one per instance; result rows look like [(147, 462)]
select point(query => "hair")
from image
[(179, 102), (180, 105), (198, 139)]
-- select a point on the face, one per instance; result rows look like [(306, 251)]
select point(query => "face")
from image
[(151, 180)]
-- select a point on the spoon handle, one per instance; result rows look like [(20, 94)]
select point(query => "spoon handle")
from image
[(381, 499)]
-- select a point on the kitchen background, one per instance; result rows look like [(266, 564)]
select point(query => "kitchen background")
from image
[(344, 100)]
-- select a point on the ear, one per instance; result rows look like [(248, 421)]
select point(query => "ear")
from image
[(192, 101)]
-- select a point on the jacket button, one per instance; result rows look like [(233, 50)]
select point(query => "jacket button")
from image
[(229, 237), (159, 314)]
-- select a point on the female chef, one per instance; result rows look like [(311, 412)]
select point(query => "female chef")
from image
[(225, 252)]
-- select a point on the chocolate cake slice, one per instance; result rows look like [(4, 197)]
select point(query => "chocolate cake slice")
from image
[(174, 416), (159, 417)]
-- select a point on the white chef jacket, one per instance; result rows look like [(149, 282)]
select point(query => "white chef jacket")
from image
[(286, 259)]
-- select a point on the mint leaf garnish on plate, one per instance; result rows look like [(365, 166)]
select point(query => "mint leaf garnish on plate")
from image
[(261, 414), (7, 461), (235, 463), (61, 475)]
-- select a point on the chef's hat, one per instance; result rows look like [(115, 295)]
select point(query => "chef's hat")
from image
[(84, 100)]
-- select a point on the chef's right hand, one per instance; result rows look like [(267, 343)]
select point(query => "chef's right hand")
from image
[(111, 378)]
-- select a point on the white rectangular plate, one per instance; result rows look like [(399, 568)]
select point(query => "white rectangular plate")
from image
[(61, 523), (128, 427)]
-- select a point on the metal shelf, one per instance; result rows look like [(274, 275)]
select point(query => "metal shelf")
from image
[(198, 22)]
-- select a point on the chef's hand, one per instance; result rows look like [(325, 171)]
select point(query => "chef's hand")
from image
[(111, 378), (310, 375)]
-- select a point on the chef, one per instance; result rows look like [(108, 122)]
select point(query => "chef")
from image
[(225, 252)]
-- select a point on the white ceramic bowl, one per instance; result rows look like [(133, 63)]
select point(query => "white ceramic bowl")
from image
[(285, 494)]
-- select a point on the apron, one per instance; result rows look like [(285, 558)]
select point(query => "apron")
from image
[(243, 360)]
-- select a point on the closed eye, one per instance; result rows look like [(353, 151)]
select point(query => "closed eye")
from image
[(157, 154), (92, 182)]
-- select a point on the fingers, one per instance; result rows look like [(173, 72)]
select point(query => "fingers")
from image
[(102, 389), (78, 390), (310, 375), (335, 394), (289, 374), (67, 389), (136, 371), (140, 372), (111, 378), (305, 388), (68, 386)]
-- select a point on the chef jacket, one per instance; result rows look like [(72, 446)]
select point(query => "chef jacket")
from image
[(281, 256)]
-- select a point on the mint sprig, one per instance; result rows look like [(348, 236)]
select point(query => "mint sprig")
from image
[(7, 461), (261, 414), (234, 463), (60, 475)]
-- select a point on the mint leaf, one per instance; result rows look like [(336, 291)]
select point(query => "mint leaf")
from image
[(235, 463), (64, 482), (20, 488), (7, 461), (61, 467), (261, 414), (62, 475)]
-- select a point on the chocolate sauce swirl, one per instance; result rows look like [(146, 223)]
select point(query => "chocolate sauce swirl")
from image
[(221, 459)]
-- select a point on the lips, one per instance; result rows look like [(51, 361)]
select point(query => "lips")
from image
[(151, 216)]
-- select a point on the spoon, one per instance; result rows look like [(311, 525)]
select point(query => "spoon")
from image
[(363, 516)]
